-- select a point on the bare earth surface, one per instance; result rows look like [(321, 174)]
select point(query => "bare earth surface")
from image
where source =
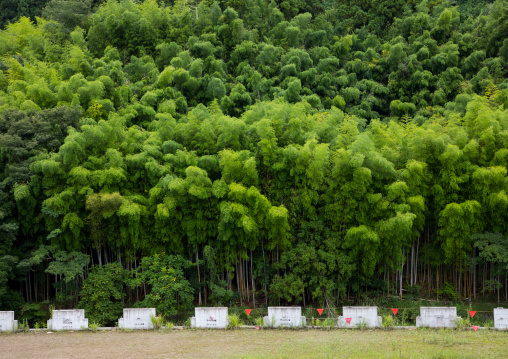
[(257, 344)]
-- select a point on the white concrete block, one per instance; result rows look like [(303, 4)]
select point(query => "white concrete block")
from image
[(136, 318), (437, 317), (71, 319), (360, 316), (7, 322), (290, 317), (210, 318), (501, 318)]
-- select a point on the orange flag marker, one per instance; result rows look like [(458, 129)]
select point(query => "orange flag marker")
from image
[(472, 313), (394, 310), (248, 311), (475, 327), (320, 311), (348, 320)]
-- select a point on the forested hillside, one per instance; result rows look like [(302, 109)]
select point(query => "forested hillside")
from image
[(165, 154)]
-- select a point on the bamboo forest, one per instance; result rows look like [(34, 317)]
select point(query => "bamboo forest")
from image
[(171, 154)]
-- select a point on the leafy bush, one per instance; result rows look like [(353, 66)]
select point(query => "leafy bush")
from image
[(23, 326), (94, 326), (169, 291), (36, 312), (462, 323), (329, 323), (157, 322), (233, 321), (102, 293), (388, 321)]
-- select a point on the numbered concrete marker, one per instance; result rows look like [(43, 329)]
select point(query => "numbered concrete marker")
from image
[(290, 317), (137, 318), (7, 322), (360, 316), (501, 318), (210, 318), (437, 317), (72, 319)]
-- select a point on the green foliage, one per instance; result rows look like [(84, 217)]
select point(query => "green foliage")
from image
[(169, 291), (157, 322), (102, 293), (388, 321), (298, 150), (234, 321), (69, 13), (94, 326), (32, 313)]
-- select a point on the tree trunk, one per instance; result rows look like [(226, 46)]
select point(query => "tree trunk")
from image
[(99, 256), (264, 269), (474, 280), (416, 260), (253, 284), (401, 273), (238, 283), (199, 277), (412, 261)]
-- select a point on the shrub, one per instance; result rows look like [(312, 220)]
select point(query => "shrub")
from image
[(388, 321), (169, 291), (157, 322), (463, 324), (102, 293), (329, 323), (233, 321), (94, 326)]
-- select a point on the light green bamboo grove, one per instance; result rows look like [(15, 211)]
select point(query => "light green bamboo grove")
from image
[(169, 156)]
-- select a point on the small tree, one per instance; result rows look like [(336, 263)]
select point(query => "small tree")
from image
[(102, 293), (169, 291)]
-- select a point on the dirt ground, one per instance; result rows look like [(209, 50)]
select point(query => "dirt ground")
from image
[(256, 344), (126, 345)]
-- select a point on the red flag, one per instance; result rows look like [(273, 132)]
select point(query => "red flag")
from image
[(394, 310), (320, 311), (472, 312), (248, 311), (348, 320), (475, 327)]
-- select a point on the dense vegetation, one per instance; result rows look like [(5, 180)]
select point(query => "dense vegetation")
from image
[(205, 152)]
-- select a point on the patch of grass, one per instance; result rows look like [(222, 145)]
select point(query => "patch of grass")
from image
[(94, 326), (362, 325), (259, 322), (489, 324), (329, 323), (23, 326), (429, 343), (234, 321), (157, 322), (463, 323), (388, 321)]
